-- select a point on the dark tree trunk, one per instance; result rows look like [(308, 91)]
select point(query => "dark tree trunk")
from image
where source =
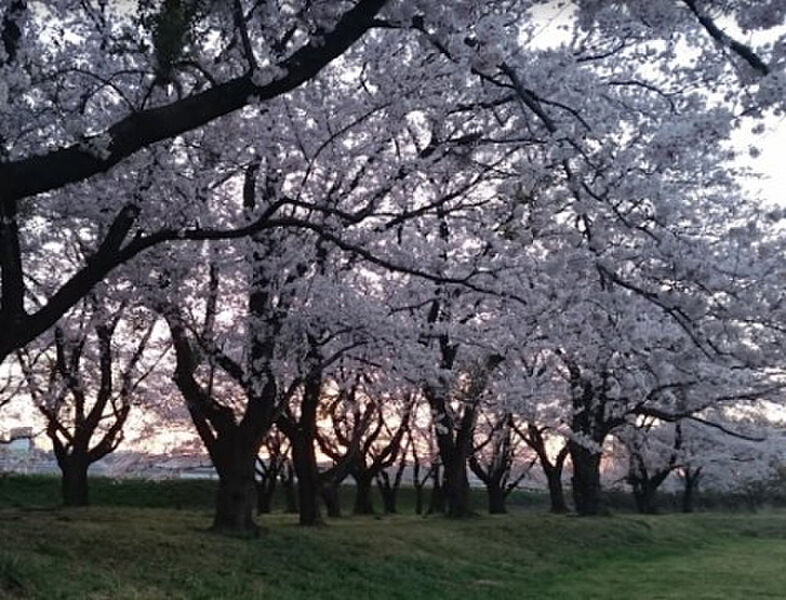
[(455, 435), (331, 499), (265, 491), (556, 493), (437, 499), (237, 493), (288, 483), (586, 480), (364, 504), (689, 492), (74, 481), (290, 498), (308, 486), (644, 497), (645, 487), (419, 499), (496, 498), (235, 505), (458, 501), (417, 482), (233, 446), (263, 502), (687, 498), (389, 496), (388, 489)]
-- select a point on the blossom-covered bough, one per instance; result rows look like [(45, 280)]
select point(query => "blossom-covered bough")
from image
[(42, 156)]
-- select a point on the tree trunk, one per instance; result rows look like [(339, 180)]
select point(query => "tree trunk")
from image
[(496, 498), (74, 481), (418, 499), (437, 499), (644, 496), (688, 494), (288, 483), (586, 480), (235, 503), (364, 504), (388, 491), (305, 462), (556, 493), (389, 496), (237, 493), (458, 501), (331, 500), (265, 491)]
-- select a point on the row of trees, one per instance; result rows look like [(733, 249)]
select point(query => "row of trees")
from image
[(375, 206), (369, 432)]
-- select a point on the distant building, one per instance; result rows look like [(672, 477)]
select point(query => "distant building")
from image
[(18, 439), (17, 452)]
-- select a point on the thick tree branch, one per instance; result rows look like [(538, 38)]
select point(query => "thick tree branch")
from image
[(50, 171), (673, 417), (11, 33), (746, 53), (13, 286)]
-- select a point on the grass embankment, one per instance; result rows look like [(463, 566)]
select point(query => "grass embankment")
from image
[(131, 552), (44, 491)]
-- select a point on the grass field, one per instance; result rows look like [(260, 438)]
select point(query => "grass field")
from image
[(136, 552)]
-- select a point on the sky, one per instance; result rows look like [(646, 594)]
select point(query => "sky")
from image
[(770, 163)]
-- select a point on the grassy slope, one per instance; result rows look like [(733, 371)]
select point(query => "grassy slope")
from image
[(129, 552)]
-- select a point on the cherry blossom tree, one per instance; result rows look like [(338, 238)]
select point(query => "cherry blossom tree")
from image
[(495, 459), (85, 383), (730, 465), (379, 447), (652, 456), (552, 468)]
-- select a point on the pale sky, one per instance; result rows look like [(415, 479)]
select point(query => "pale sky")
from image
[(771, 163), (552, 21)]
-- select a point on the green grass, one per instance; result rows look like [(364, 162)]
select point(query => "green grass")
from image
[(43, 491), (142, 552)]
